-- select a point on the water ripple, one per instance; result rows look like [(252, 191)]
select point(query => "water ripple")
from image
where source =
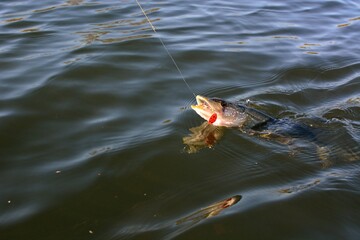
[(93, 113)]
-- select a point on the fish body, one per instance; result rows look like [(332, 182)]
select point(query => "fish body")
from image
[(248, 119)]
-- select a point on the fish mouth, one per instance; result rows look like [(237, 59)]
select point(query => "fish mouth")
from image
[(208, 109), (203, 103)]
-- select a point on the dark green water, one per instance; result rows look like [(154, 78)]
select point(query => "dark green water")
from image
[(93, 113)]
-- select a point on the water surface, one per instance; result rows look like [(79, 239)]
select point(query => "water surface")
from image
[(93, 113)]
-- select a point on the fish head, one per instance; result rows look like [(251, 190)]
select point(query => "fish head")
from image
[(227, 114)]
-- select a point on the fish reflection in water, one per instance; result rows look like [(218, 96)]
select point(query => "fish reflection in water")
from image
[(204, 136), (210, 211)]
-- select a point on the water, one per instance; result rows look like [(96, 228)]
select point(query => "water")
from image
[(93, 113)]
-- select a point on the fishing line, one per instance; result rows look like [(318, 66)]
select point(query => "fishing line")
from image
[(166, 49)]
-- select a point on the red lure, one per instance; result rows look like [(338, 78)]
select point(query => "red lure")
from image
[(213, 118)]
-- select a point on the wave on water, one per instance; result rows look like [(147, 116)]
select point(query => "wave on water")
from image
[(94, 115)]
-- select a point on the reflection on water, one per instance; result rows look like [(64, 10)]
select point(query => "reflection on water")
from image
[(285, 39), (351, 20), (130, 28), (90, 37), (210, 211), (13, 20), (301, 187), (74, 2), (92, 135), (121, 39), (204, 136)]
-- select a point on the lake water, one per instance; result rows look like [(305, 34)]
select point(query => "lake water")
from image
[(93, 114)]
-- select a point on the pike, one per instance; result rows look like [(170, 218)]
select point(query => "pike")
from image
[(222, 113), (226, 114)]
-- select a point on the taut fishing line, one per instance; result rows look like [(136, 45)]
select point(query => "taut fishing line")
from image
[(166, 49)]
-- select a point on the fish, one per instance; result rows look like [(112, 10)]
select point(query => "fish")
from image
[(295, 133), (220, 114), (229, 114), (249, 120)]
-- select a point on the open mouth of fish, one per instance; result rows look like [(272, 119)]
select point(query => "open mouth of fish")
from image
[(202, 103)]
